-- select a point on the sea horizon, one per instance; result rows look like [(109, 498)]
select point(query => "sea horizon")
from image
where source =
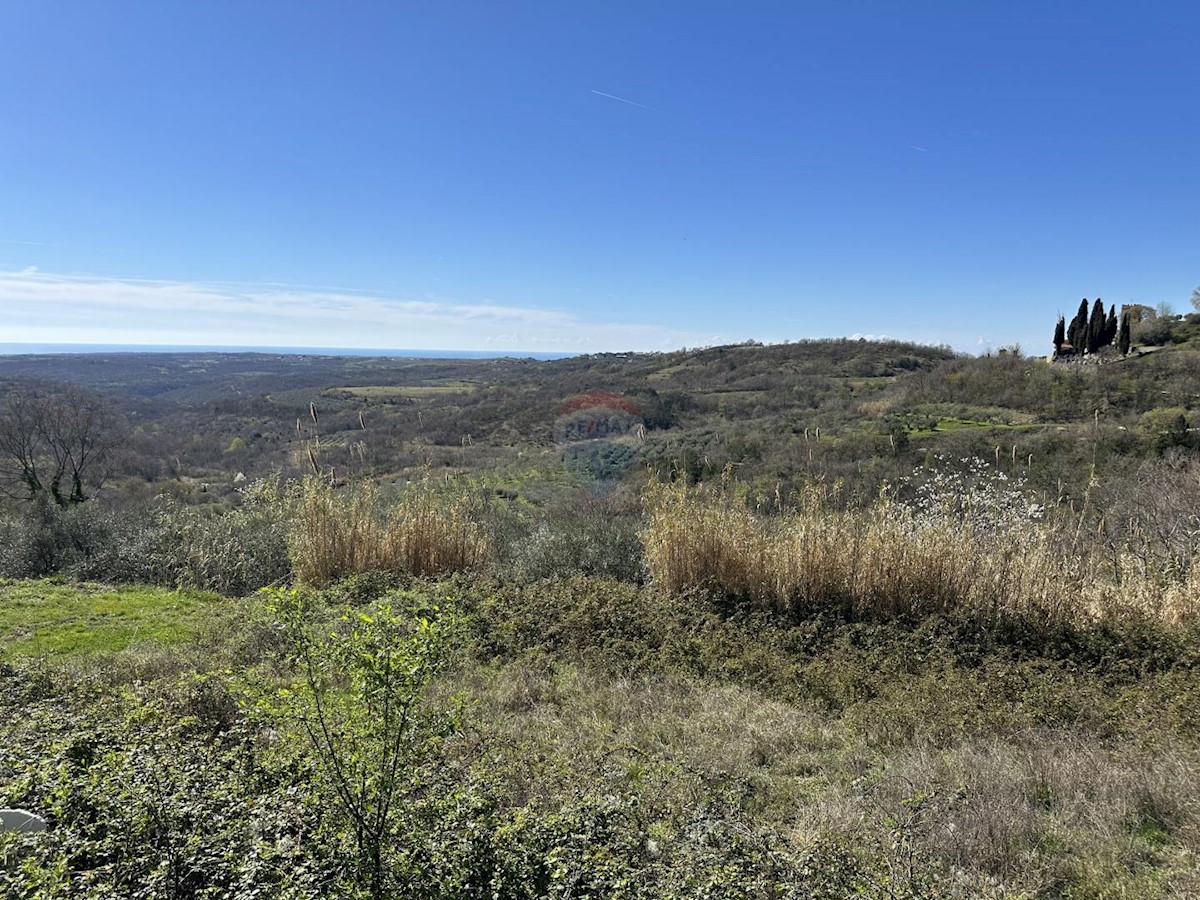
[(15, 348)]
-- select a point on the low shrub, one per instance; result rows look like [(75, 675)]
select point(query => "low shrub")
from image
[(235, 551), (587, 535)]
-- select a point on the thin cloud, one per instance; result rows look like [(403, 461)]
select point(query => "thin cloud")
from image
[(623, 100), (49, 307)]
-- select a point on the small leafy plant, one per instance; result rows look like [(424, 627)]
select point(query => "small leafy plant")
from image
[(359, 700)]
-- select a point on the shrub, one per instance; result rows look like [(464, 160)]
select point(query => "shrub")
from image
[(1165, 428), (235, 552), (39, 540), (585, 534), (144, 803), (86, 541), (359, 703)]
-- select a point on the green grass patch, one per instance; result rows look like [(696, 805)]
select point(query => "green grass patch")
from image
[(52, 618), (948, 425), (929, 420), (408, 392), (867, 381), (733, 396)]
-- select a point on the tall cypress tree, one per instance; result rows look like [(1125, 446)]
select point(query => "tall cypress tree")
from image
[(1126, 338), (1077, 333), (1110, 332), (1060, 333), (1096, 327)]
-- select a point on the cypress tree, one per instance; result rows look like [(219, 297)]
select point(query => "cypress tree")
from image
[(1125, 341), (1077, 333), (1096, 327), (1060, 329), (1110, 332)]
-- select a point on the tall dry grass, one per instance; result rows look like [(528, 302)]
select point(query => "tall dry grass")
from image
[(887, 560), (338, 532)]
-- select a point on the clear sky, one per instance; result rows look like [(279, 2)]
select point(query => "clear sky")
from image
[(582, 176)]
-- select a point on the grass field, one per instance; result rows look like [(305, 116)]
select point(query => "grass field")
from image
[(49, 618), (408, 392)]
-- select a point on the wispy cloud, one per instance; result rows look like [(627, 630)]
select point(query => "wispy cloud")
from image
[(48, 307), (623, 100)]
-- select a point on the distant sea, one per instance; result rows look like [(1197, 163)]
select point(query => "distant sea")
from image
[(43, 349)]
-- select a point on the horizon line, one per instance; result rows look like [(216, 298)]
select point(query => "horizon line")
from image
[(39, 348)]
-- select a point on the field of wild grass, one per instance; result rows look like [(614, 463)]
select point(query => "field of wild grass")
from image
[(984, 554), (958, 691)]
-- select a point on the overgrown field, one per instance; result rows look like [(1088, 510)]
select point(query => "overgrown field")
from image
[(955, 696), (830, 620)]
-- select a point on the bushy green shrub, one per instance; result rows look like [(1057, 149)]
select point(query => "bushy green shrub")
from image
[(34, 542), (83, 541), (582, 542), (1154, 332), (146, 802), (234, 552), (1165, 428)]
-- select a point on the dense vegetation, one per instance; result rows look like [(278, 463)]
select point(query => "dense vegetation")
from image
[(834, 619)]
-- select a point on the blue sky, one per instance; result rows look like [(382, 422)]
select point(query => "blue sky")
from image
[(446, 175)]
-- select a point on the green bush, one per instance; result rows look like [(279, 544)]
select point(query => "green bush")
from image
[(584, 535), (83, 541), (145, 802), (234, 552), (1164, 428)]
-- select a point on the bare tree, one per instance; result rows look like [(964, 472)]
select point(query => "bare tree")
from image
[(55, 441)]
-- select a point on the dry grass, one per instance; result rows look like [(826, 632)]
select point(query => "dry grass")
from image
[(1049, 806), (1018, 815), (341, 532), (884, 561), (679, 742)]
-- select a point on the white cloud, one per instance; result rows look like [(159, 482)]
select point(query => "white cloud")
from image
[(47, 307)]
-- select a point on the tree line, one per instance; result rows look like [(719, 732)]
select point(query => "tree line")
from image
[(1089, 332)]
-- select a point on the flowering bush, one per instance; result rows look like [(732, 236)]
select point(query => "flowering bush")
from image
[(970, 492)]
